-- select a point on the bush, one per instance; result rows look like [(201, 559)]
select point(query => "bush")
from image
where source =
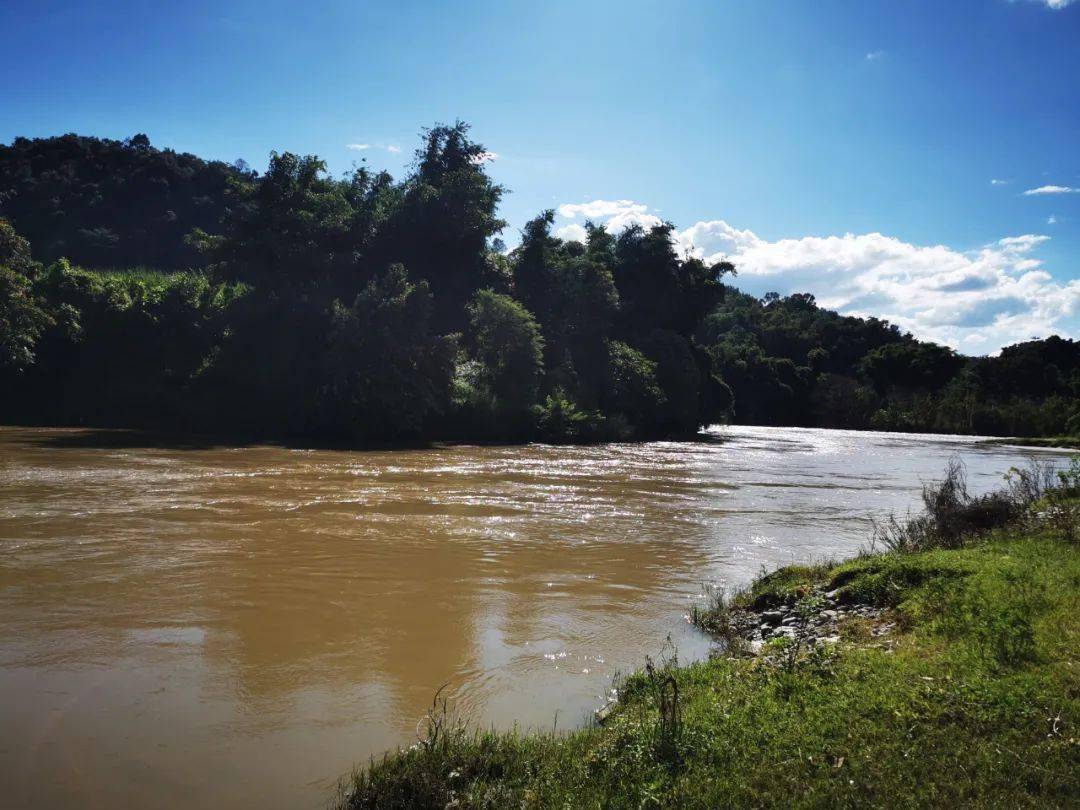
[(952, 515)]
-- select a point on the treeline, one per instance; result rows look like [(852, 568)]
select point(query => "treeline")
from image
[(365, 308), (168, 292), (790, 362)]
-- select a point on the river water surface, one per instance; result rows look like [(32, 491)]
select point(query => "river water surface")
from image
[(237, 626)]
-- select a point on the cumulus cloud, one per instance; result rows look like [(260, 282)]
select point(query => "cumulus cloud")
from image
[(615, 214), (486, 157), (996, 182), (1051, 190), (976, 301), (873, 56), (572, 232), (1051, 220), (1057, 4), (358, 147)]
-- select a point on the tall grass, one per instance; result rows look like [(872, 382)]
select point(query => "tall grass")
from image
[(952, 516)]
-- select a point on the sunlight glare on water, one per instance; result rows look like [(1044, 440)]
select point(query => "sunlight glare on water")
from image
[(233, 626)]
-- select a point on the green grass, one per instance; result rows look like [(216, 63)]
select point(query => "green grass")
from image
[(974, 700)]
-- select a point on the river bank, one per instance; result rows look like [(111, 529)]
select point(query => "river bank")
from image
[(934, 673), (229, 626), (1072, 442)]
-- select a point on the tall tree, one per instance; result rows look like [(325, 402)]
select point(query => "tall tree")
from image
[(443, 224)]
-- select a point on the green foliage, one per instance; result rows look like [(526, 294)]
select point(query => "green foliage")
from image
[(560, 419), (386, 373), (288, 229), (14, 250), (679, 376), (121, 348), (785, 586), (505, 339), (107, 203), (634, 390), (910, 365), (22, 319), (791, 362), (442, 220)]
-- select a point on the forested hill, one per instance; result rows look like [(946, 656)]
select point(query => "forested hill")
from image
[(790, 362), (106, 203), (141, 287)]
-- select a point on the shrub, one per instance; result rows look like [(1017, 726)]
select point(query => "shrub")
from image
[(951, 515)]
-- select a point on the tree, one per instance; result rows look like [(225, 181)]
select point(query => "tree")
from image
[(571, 291), (634, 390), (505, 339), (443, 222), (386, 373), (536, 268), (22, 320), (288, 230), (911, 365), (678, 375), (14, 250)]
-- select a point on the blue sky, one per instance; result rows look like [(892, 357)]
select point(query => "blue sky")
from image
[(844, 148)]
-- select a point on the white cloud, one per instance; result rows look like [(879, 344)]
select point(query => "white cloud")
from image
[(486, 157), (1052, 220), (615, 214), (361, 147), (572, 232), (1056, 5), (873, 56), (1051, 190), (996, 182), (977, 301), (601, 208)]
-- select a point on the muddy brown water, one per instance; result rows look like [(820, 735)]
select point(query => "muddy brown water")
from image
[(238, 626)]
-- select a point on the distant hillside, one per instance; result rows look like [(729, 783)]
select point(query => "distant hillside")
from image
[(107, 203), (790, 362)]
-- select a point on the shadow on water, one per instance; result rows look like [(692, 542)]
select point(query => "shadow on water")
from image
[(104, 438), (128, 438)]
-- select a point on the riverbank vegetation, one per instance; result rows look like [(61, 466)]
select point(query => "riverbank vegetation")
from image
[(943, 668), (146, 288)]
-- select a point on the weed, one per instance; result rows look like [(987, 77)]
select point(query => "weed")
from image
[(665, 688)]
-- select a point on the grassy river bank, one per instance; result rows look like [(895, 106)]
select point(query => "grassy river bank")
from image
[(942, 668)]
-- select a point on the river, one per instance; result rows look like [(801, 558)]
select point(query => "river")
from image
[(197, 625)]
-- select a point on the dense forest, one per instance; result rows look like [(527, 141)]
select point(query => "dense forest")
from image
[(140, 287)]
